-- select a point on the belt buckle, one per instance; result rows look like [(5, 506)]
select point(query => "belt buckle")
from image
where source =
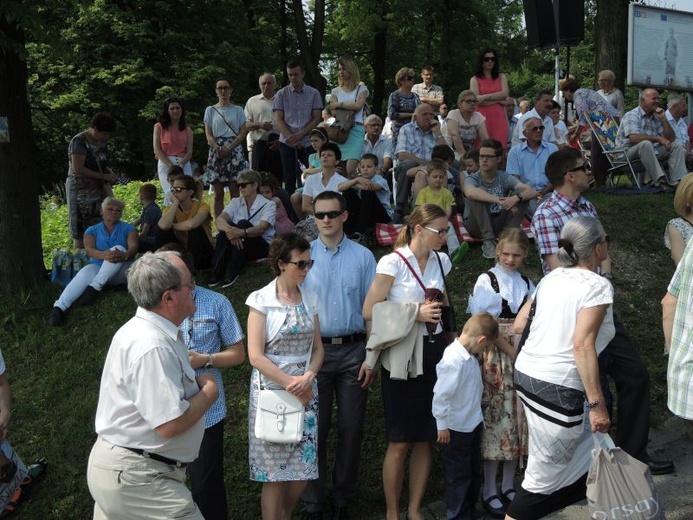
[(337, 341)]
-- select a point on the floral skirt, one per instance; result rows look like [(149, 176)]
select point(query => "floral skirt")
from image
[(227, 168), (505, 431)]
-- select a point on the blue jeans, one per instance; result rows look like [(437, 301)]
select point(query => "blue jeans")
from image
[(463, 475)]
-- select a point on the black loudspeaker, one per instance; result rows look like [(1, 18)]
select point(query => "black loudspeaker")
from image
[(570, 16), (541, 28), (545, 20)]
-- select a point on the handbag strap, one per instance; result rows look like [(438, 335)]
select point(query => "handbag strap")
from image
[(225, 121), (250, 217), (445, 284), (414, 272)]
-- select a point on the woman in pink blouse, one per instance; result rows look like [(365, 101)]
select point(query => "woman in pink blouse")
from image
[(491, 89), (173, 143)]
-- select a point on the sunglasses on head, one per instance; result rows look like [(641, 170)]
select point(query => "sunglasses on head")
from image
[(302, 264), (320, 215)]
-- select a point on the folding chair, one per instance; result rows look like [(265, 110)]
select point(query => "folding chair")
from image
[(604, 129)]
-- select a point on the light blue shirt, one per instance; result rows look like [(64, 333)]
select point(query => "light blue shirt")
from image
[(529, 165), (213, 327), (341, 279)]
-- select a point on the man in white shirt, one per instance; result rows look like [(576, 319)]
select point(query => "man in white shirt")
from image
[(377, 143), (149, 417), (677, 111), (261, 131)]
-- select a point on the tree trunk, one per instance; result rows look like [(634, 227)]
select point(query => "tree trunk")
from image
[(311, 49), (21, 258), (379, 52), (611, 39)]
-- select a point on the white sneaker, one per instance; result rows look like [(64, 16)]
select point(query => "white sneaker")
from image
[(488, 249)]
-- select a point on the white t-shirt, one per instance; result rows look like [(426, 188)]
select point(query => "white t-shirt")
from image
[(261, 210), (548, 353), (314, 185), (351, 97)]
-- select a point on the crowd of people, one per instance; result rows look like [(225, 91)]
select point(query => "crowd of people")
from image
[(489, 398)]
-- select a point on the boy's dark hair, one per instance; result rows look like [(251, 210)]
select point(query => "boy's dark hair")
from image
[(186, 255), (103, 122), (148, 191), (443, 152), (175, 170), (334, 147), (473, 155), (559, 163), (293, 63), (492, 143), (370, 157), (331, 195)]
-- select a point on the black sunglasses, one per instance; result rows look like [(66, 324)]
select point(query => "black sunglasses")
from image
[(408, 78), (576, 169), (243, 184), (489, 58), (320, 215), (302, 264), (536, 128), (178, 189)]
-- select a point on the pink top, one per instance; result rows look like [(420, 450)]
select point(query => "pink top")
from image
[(282, 224), (174, 142)]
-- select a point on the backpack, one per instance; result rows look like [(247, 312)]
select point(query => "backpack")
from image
[(79, 260), (61, 272)]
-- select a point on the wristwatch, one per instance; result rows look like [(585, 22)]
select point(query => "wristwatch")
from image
[(210, 362), (519, 196)]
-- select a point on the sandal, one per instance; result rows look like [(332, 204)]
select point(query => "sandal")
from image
[(505, 498), (495, 512)]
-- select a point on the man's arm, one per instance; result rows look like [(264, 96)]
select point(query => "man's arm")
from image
[(5, 406), (198, 405)]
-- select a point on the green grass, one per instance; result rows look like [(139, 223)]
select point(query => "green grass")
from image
[(55, 372)]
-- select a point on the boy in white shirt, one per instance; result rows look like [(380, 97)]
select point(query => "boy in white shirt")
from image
[(457, 410)]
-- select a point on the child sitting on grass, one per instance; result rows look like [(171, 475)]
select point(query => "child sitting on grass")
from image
[(436, 193), (457, 411), (149, 218), (367, 198)]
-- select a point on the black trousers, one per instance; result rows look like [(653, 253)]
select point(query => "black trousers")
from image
[(264, 159), (364, 211), (228, 260), (198, 244), (206, 475), (463, 474)]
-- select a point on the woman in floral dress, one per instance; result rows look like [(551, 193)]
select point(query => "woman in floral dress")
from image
[(285, 349)]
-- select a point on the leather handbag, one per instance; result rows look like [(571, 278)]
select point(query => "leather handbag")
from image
[(280, 417)]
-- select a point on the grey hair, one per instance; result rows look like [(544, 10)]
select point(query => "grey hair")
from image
[(151, 276), (673, 99), (371, 118), (112, 201), (526, 122), (579, 238)]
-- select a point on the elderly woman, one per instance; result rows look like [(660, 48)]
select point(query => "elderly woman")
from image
[(605, 82), (172, 143), (225, 131), (111, 246), (188, 222), (406, 278), (88, 177), (465, 125), (285, 349), (402, 103), (246, 229), (557, 373), (350, 95), (680, 230), (491, 87)]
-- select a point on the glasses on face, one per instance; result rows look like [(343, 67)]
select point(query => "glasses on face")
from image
[(576, 169), (538, 128), (223, 88), (302, 264), (440, 232), (490, 58), (320, 215), (178, 189), (242, 185), (408, 78), (470, 101), (489, 157)]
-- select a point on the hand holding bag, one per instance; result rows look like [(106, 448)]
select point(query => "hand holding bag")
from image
[(280, 417), (619, 486)]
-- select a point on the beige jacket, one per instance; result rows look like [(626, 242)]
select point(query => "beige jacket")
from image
[(397, 335)]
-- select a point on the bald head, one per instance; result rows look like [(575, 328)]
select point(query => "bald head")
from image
[(267, 84), (649, 100), (424, 116)]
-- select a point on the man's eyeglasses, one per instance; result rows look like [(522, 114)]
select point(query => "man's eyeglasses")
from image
[(242, 185), (576, 169), (190, 285), (302, 264), (470, 101), (440, 232), (320, 215), (223, 88), (489, 58), (539, 128), (178, 189), (482, 156)]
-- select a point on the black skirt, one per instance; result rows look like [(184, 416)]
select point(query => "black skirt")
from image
[(407, 403)]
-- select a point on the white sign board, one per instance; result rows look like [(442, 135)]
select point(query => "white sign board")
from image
[(660, 48)]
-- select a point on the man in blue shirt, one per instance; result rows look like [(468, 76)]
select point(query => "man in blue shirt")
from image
[(342, 263), (214, 339), (527, 160)]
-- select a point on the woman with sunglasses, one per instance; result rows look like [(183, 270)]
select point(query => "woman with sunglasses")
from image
[(400, 278), (173, 143), (466, 127), (187, 221), (246, 229), (491, 88), (225, 131), (285, 350), (402, 102)]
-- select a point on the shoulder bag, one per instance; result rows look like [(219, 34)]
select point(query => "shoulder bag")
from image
[(344, 120)]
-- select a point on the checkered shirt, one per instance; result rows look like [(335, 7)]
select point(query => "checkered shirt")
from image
[(637, 122)]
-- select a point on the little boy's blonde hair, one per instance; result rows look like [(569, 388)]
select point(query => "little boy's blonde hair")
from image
[(481, 324)]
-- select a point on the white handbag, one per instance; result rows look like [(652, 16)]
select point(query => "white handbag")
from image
[(279, 418)]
